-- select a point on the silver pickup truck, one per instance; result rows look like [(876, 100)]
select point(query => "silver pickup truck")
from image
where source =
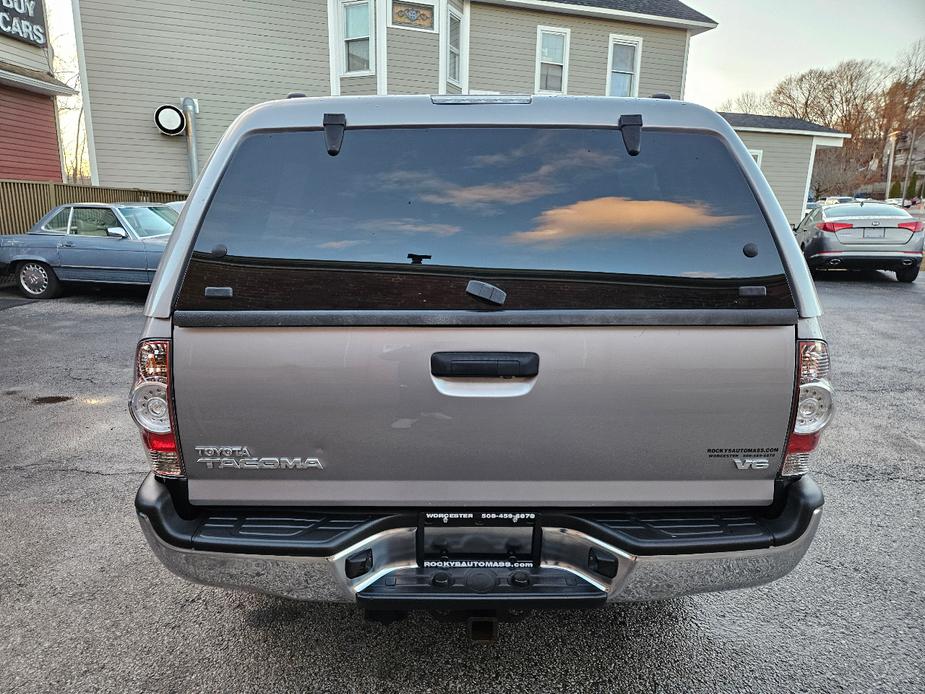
[(479, 355)]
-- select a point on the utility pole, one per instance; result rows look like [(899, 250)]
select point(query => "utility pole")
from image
[(908, 165), (889, 168)]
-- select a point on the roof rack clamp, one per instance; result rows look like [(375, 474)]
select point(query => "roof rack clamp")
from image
[(631, 127), (334, 125)]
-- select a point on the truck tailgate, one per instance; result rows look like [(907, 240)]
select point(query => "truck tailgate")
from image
[(616, 416)]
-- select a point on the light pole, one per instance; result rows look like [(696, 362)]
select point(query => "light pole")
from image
[(190, 108)]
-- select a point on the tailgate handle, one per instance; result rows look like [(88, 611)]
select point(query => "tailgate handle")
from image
[(488, 364)]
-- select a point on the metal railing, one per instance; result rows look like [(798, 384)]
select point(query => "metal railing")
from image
[(23, 203)]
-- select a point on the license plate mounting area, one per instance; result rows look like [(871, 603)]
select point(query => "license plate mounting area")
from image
[(478, 539)]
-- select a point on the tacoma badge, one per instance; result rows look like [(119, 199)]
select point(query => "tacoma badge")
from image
[(240, 458)]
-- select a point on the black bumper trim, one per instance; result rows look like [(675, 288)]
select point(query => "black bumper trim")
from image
[(685, 531), (322, 532), (247, 531)]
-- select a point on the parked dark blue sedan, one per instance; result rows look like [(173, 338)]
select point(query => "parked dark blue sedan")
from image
[(120, 243)]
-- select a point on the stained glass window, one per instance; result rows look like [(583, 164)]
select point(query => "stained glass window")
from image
[(414, 15)]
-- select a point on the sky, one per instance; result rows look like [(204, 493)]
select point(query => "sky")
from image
[(759, 42)]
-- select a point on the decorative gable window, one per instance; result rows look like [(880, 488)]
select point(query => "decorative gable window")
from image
[(358, 41), (623, 65), (413, 15), (552, 46), (454, 49)]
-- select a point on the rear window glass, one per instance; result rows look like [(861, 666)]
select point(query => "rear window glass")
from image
[(865, 210), (557, 217)]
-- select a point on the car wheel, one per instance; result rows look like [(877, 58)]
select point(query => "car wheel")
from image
[(37, 280), (907, 274)]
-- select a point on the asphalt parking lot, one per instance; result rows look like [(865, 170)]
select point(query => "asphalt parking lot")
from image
[(85, 606)]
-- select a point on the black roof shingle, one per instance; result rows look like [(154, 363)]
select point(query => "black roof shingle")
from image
[(670, 9), (753, 120)]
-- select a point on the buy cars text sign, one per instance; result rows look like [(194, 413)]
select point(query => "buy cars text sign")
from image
[(23, 20)]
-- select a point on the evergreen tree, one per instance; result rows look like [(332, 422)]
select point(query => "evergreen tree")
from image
[(913, 185)]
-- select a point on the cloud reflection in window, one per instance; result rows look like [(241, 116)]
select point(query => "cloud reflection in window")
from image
[(611, 216)]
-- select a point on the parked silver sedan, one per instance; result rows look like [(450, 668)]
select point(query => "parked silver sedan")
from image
[(120, 243), (863, 235)]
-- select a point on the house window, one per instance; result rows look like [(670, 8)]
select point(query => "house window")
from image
[(454, 50), (551, 60), (756, 155), (412, 15), (623, 65), (358, 21)]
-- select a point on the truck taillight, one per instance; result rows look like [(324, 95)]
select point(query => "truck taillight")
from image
[(814, 406), (151, 406), (833, 226)]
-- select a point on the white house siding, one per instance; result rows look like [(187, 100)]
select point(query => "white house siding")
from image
[(413, 61), (785, 162), (229, 54), (23, 54), (503, 52)]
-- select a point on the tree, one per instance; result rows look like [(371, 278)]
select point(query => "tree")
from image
[(805, 96), (864, 98), (854, 86), (912, 188), (70, 109), (833, 174), (747, 102)]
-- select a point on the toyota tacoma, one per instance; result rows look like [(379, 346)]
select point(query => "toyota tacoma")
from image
[(481, 355)]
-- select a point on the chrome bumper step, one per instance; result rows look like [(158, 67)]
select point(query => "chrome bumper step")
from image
[(481, 588)]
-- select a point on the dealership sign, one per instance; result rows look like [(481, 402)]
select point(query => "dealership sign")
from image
[(23, 20)]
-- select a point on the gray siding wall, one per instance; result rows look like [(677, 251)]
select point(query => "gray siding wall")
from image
[(358, 86), (785, 163), (503, 52), (413, 61), (230, 54), (24, 54)]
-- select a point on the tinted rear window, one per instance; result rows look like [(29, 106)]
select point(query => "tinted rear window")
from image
[(558, 218)]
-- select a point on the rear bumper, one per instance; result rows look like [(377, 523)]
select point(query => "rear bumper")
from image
[(572, 566), (888, 260)]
